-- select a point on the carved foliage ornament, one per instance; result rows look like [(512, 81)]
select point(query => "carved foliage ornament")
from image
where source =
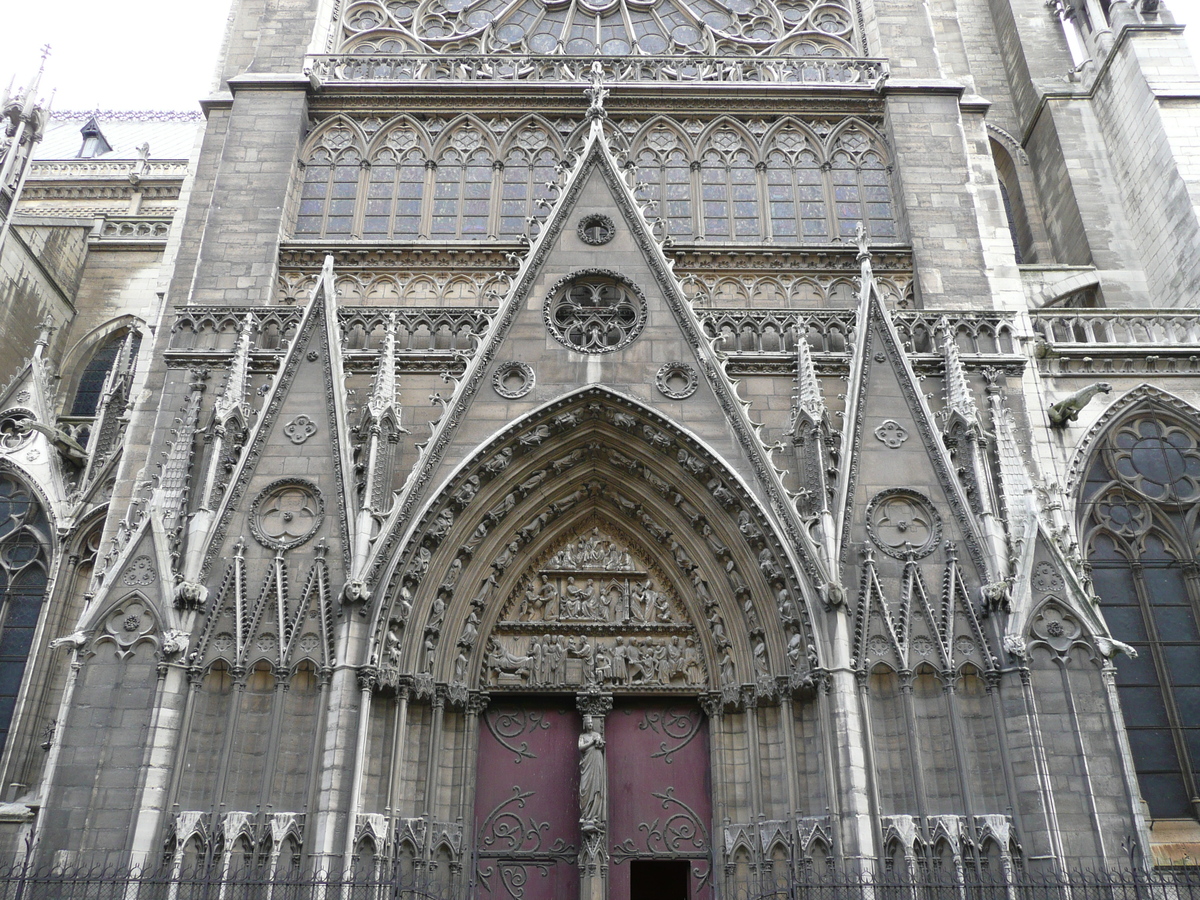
[(594, 311), (513, 379), (676, 381), (903, 523), (596, 229), (286, 513)]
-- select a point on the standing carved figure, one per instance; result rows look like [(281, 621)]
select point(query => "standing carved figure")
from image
[(593, 789)]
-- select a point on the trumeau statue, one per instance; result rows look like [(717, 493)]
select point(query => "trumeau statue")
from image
[(593, 787)]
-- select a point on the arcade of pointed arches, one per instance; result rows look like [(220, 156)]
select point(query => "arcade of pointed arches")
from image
[(790, 181)]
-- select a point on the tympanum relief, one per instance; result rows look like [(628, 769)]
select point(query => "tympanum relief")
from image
[(591, 613)]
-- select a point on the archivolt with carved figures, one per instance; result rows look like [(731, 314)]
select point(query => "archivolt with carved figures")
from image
[(594, 543)]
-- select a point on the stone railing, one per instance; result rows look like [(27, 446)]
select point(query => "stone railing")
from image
[(740, 331), (134, 229), (75, 170), (419, 330), (1100, 329), (418, 67)]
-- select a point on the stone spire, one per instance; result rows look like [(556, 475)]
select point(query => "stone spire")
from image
[(24, 122), (959, 397)]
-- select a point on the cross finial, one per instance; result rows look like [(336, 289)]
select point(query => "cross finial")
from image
[(597, 93)]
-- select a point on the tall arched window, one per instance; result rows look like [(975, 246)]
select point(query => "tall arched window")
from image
[(330, 193), (394, 188), (795, 189), (729, 189), (90, 386), (664, 170), (462, 191), (526, 175), (1139, 520), (24, 576)]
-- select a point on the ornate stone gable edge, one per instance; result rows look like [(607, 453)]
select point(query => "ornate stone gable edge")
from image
[(254, 446), (797, 549), (871, 311)]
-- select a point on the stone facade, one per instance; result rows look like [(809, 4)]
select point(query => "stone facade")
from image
[(540, 444)]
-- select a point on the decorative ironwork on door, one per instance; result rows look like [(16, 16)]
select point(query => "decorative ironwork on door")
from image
[(660, 803), (526, 804)]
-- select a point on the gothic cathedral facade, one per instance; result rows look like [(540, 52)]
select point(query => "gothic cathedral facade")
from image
[(552, 444)]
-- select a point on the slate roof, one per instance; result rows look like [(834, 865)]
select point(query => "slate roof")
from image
[(171, 134)]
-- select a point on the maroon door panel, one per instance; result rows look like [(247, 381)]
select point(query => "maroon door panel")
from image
[(660, 804), (527, 803)]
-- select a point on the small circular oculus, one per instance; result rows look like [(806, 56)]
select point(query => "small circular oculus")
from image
[(903, 523), (286, 513), (594, 311), (513, 379), (676, 381), (596, 229)]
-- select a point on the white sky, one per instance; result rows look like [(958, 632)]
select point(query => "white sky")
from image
[(151, 54)]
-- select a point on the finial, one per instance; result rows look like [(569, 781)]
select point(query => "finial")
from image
[(597, 93), (864, 250)]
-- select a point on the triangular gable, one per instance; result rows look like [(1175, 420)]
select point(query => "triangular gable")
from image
[(299, 435), (521, 335), (885, 404)]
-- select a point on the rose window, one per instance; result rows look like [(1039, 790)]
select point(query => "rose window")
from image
[(595, 311)]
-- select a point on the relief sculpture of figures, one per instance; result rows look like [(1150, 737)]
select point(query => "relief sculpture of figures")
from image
[(593, 787), (583, 588)]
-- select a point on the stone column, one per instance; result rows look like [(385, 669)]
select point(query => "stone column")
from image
[(593, 796)]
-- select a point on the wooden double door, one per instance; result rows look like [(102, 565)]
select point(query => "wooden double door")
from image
[(528, 840)]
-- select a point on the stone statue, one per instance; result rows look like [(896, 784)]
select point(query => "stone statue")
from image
[(593, 788), (1066, 411)]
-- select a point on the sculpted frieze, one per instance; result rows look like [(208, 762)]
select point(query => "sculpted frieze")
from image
[(592, 613)]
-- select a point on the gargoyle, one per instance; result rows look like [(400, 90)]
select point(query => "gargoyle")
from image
[(1109, 648), (1066, 411), (71, 641), (70, 449)]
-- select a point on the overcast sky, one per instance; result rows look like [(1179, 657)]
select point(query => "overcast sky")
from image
[(151, 54)]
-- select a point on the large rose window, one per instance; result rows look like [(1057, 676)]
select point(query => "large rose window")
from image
[(607, 27)]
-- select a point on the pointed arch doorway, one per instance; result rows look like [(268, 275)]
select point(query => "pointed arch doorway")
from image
[(652, 837), (598, 784)]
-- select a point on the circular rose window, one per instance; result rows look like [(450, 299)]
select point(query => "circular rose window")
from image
[(287, 513), (595, 311)]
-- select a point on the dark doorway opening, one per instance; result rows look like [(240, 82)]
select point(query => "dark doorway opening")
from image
[(654, 879)]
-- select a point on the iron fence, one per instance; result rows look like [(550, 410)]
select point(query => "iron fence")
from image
[(18, 882), (920, 883)]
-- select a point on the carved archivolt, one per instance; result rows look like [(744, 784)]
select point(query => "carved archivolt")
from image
[(660, 536)]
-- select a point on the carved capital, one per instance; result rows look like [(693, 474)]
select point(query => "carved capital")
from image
[(594, 703)]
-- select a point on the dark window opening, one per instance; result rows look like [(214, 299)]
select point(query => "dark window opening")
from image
[(91, 382), (659, 879), (1139, 510)]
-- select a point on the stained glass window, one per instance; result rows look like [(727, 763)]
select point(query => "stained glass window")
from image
[(1139, 517), (24, 573)]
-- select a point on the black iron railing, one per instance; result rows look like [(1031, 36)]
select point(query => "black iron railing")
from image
[(218, 882)]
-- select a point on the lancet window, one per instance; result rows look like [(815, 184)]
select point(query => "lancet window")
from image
[(1139, 518), (24, 576)]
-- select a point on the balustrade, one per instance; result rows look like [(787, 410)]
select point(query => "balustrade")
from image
[(421, 67)]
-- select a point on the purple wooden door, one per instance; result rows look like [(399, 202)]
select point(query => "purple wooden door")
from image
[(527, 803), (660, 803)]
